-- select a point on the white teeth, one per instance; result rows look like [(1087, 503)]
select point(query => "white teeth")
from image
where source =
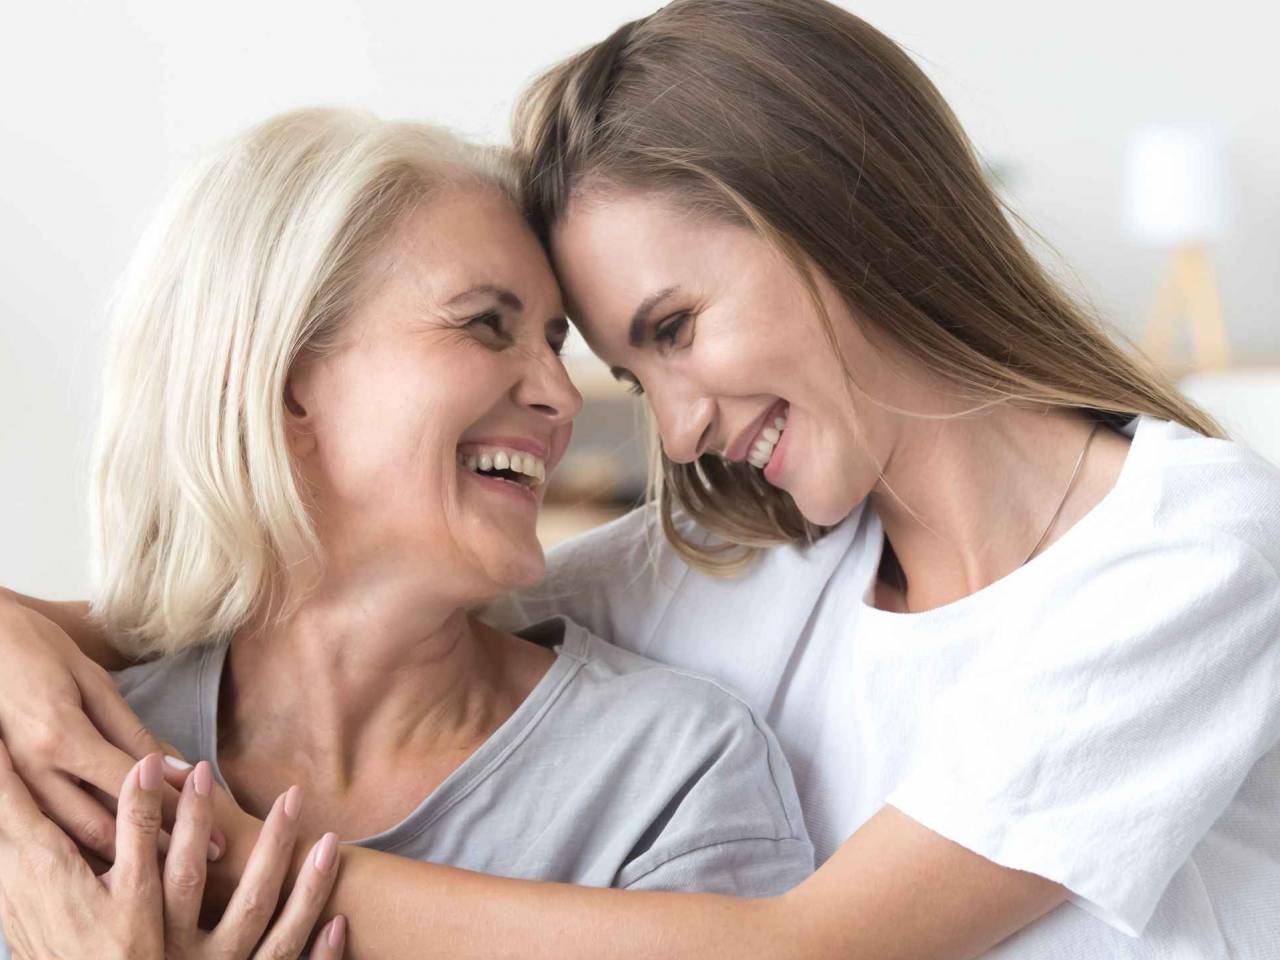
[(525, 464), (762, 452)]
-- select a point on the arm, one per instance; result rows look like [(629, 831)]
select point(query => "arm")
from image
[(72, 616), (894, 890), (67, 729)]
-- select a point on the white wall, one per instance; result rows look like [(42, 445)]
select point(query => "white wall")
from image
[(104, 101)]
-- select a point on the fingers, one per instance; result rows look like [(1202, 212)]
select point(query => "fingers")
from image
[(22, 822), (95, 761), (83, 817), (121, 727), (254, 901), (109, 712), (138, 828), (185, 865), (331, 942), (289, 934)]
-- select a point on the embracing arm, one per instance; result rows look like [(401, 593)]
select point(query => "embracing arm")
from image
[(73, 617), (894, 890)]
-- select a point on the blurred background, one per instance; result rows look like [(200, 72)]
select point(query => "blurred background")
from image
[(1140, 139)]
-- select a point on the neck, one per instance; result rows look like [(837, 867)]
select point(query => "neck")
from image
[(361, 677), (964, 501)]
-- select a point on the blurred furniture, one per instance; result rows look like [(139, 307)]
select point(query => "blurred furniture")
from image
[(603, 472), (1175, 199)]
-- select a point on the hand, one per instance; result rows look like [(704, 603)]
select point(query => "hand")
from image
[(53, 905), (240, 931), (68, 731)]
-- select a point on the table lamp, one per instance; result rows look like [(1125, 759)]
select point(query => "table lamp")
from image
[(1175, 198)]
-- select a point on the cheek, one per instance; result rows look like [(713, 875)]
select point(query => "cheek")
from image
[(394, 429)]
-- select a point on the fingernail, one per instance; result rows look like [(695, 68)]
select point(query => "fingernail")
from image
[(203, 778), (177, 763), (149, 774), (215, 851), (337, 931), (293, 802), (218, 843), (326, 851)]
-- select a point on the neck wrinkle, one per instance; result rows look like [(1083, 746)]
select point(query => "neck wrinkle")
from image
[(346, 683)]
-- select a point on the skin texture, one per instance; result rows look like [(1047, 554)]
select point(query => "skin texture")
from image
[(963, 500)]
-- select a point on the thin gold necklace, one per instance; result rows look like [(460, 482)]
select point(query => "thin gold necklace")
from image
[(1075, 475), (1088, 442)]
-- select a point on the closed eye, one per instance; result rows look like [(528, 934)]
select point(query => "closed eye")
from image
[(490, 325), (557, 335), (675, 331), (623, 375)]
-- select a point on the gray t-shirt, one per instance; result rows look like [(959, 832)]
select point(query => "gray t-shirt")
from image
[(617, 771)]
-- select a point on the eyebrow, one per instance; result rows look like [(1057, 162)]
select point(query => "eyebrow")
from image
[(504, 297), (640, 319)]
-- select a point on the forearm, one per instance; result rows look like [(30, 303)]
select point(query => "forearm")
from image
[(399, 908), (72, 616)]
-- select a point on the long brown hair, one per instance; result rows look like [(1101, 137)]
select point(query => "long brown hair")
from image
[(804, 123)]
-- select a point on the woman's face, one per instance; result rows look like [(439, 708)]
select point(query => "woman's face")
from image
[(448, 368), (725, 342)]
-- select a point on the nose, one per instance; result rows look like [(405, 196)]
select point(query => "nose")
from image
[(684, 424), (546, 388)]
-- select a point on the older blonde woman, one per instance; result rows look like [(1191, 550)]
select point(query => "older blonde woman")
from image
[(335, 396)]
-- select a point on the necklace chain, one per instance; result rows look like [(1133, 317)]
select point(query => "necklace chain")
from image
[(1065, 493), (1075, 475)]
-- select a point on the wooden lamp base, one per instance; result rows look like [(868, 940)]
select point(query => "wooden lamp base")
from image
[(1189, 289)]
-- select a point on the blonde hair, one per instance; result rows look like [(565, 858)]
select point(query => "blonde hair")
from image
[(800, 121), (258, 255)]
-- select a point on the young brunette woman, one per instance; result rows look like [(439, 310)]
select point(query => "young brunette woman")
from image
[(1010, 602)]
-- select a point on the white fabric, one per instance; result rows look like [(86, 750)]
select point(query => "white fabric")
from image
[(1107, 716)]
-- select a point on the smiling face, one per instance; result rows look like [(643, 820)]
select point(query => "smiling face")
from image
[(448, 367), (725, 342)]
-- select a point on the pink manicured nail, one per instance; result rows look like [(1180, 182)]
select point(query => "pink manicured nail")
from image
[(203, 778), (176, 762), (337, 931), (149, 774), (326, 852), (293, 802)]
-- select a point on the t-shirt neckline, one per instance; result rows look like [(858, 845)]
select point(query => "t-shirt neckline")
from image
[(1138, 429), (571, 652)]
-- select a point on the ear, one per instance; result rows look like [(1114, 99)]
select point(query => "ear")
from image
[(298, 423)]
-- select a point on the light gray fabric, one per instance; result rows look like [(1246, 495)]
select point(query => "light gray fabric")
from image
[(616, 771)]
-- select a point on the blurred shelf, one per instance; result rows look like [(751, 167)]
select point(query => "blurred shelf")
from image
[(560, 522)]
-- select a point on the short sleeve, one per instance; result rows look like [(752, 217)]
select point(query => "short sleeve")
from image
[(731, 822), (745, 868), (1100, 745)]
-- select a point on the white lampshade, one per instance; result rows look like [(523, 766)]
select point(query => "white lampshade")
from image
[(1174, 185)]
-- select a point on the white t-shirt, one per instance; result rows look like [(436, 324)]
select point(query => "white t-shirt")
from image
[(1107, 716)]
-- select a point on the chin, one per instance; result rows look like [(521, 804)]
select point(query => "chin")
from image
[(521, 567), (825, 510)]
